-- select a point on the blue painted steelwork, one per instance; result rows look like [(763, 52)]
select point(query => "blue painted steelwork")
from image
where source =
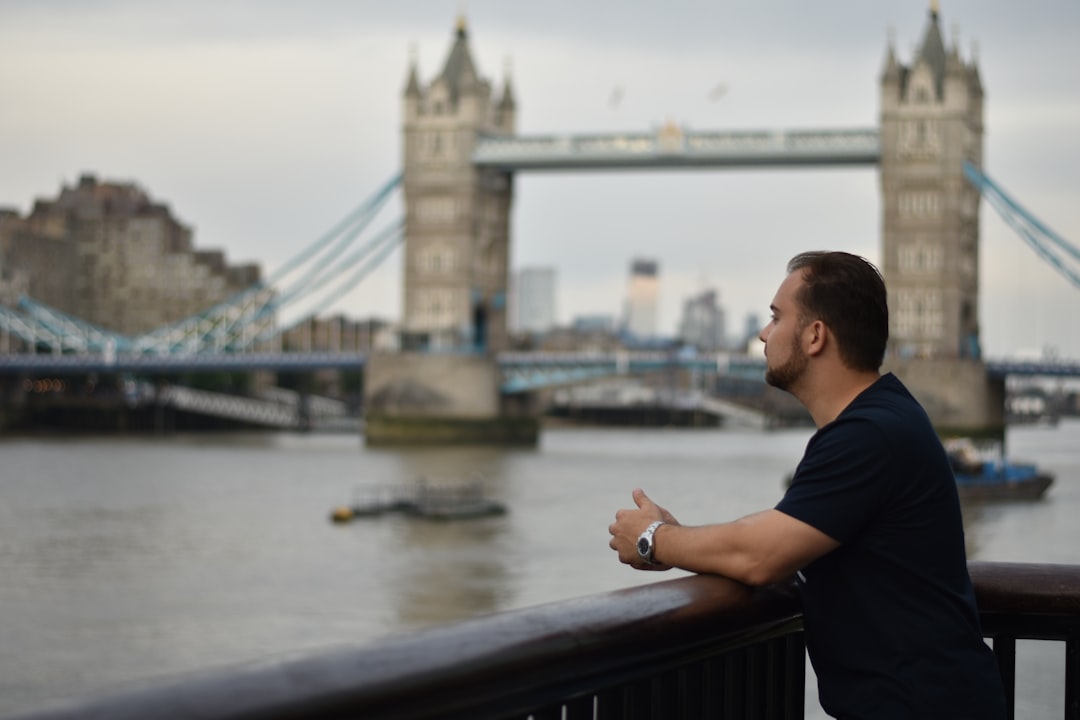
[(75, 334), (1033, 368), (674, 147), (524, 372), (357, 218), (521, 372), (245, 322), (194, 362), (379, 249), (1045, 242)]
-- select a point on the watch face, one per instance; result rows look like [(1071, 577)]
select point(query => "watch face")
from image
[(643, 547)]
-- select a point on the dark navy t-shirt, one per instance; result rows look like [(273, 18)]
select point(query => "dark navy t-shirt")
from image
[(891, 623)]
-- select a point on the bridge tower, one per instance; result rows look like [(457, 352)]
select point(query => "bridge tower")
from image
[(457, 241), (931, 122), (457, 214)]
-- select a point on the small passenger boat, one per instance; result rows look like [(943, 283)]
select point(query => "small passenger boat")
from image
[(994, 478), (981, 477), (424, 498)]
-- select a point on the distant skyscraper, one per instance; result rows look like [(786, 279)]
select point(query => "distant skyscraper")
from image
[(702, 323), (751, 329), (534, 300), (642, 299)]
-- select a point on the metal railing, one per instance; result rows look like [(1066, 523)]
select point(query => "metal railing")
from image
[(1031, 602), (686, 648)]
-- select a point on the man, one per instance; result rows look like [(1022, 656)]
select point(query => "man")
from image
[(870, 525)]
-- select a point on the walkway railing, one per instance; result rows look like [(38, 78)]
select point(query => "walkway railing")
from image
[(685, 648)]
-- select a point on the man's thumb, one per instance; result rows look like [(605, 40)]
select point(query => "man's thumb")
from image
[(640, 498)]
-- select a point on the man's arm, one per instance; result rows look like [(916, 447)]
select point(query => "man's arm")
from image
[(756, 550)]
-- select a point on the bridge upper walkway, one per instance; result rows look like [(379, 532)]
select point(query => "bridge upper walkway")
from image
[(674, 147)]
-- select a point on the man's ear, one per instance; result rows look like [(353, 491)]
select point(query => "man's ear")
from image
[(815, 337)]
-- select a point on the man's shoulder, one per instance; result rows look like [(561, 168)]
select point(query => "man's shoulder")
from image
[(886, 399), (884, 416)]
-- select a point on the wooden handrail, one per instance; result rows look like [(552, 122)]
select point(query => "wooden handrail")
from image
[(659, 647), (491, 666), (1026, 589)]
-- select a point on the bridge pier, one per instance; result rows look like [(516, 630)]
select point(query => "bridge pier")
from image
[(421, 398), (960, 396)]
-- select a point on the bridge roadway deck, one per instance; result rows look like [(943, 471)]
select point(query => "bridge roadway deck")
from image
[(523, 371)]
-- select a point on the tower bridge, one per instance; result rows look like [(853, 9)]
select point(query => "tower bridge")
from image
[(455, 376), (461, 153)]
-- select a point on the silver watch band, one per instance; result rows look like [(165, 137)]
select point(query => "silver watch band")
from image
[(646, 544)]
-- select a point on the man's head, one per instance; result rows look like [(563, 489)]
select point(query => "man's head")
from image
[(842, 291), (848, 294)]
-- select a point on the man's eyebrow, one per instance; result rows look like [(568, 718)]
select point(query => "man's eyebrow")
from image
[(773, 309)]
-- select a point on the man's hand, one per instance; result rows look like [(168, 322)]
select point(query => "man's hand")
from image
[(628, 526)]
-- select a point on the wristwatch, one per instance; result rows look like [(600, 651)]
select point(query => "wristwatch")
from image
[(645, 545)]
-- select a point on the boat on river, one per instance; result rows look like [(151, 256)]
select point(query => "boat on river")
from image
[(994, 477), (988, 476), (423, 498)]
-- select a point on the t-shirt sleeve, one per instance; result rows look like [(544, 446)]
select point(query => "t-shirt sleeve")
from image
[(841, 484)]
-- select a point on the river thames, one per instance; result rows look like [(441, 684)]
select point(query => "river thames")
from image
[(135, 560)]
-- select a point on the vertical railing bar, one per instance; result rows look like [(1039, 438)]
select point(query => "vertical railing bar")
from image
[(772, 682), (665, 695), (711, 685), (550, 712), (755, 683), (795, 684), (1005, 651), (689, 690), (580, 708), (1072, 677), (734, 684), (633, 702), (611, 704)]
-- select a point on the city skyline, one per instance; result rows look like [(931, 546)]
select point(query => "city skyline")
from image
[(262, 125)]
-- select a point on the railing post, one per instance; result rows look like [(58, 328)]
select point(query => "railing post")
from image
[(1005, 651), (1072, 678)]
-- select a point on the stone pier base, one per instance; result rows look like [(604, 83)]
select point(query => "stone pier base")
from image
[(961, 399), (426, 398)]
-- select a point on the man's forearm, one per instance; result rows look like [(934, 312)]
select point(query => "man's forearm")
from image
[(756, 550)]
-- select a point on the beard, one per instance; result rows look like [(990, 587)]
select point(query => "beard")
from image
[(786, 375)]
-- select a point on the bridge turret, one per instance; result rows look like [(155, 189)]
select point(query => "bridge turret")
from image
[(931, 121), (412, 96), (506, 110), (457, 215), (891, 76)]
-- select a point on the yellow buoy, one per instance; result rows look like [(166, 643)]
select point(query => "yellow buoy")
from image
[(341, 514)]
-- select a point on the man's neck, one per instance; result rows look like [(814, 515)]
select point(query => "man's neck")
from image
[(828, 396)]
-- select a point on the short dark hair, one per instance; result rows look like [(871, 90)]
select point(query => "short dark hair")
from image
[(848, 294)]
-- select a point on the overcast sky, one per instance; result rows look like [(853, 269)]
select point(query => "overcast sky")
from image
[(263, 122)]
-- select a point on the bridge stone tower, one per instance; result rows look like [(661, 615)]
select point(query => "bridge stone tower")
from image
[(458, 214), (931, 123), (457, 240)]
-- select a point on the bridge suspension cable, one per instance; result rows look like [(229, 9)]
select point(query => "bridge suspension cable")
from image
[(238, 321), (317, 277), (385, 243), (1047, 244), (347, 229)]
